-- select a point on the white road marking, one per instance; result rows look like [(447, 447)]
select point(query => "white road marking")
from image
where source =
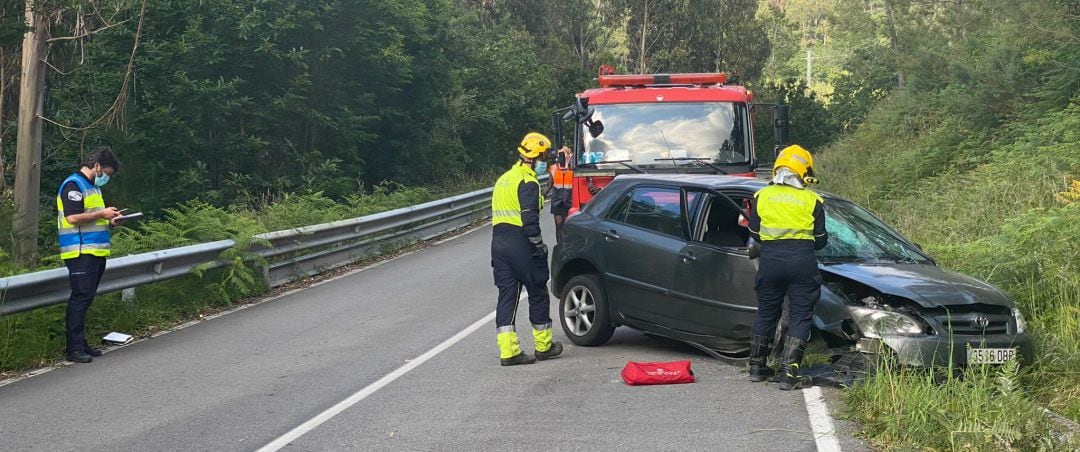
[(820, 421), (343, 405)]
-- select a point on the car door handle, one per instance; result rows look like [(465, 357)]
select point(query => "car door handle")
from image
[(687, 257), (610, 235)]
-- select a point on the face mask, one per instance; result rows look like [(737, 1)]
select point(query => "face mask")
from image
[(101, 180), (541, 167)]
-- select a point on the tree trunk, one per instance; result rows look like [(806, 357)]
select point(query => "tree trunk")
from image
[(3, 93), (644, 26), (894, 44), (28, 139)]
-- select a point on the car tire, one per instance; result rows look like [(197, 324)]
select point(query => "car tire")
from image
[(584, 313)]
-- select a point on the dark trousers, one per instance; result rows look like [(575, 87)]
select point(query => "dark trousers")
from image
[(787, 268), (84, 274), (514, 267)]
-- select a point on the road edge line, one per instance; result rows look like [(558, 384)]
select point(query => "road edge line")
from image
[(356, 397), (820, 421)]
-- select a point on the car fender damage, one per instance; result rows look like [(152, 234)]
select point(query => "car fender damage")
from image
[(874, 320)]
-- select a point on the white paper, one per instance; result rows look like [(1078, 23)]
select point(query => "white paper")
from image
[(117, 338)]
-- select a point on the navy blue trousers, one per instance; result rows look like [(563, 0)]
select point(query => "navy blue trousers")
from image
[(84, 274), (514, 267), (787, 268)]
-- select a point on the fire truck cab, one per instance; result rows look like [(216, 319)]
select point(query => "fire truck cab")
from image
[(658, 123)]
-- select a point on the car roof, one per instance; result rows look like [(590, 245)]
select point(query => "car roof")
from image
[(711, 181)]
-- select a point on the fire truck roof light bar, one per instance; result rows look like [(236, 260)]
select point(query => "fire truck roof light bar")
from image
[(609, 81)]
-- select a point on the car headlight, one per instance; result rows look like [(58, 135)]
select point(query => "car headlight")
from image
[(1021, 324), (876, 323)]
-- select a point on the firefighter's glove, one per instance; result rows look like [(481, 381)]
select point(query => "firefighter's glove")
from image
[(540, 249)]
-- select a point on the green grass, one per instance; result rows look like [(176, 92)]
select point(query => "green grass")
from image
[(36, 338), (984, 408), (1004, 208)]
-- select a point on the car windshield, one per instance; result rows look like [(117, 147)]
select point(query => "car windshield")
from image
[(855, 234), (645, 135)]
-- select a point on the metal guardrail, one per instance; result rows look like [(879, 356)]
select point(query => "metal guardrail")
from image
[(291, 254)]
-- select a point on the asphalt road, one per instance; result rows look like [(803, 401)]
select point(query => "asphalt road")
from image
[(239, 381)]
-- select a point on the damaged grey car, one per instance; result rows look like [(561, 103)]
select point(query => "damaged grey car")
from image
[(669, 255)]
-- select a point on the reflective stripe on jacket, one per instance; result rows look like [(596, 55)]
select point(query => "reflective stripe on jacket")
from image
[(561, 177), (88, 238), (786, 212), (505, 206)]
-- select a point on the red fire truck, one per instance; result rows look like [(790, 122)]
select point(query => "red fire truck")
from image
[(659, 123)]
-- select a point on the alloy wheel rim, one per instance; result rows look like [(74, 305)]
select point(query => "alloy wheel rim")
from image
[(579, 311)]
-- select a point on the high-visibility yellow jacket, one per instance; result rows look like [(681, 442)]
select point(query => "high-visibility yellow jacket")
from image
[(516, 200), (88, 238), (783, 212)]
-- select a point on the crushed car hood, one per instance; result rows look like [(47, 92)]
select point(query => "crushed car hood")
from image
[(928, 285)]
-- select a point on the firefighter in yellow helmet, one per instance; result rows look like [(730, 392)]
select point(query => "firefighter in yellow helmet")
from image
[(788, 220), (519, 255)]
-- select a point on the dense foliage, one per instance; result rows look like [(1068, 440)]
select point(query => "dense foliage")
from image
[(972, 152), (230, 102)]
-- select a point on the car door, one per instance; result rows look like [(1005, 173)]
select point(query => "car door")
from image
[(643, 234), (714, 278)]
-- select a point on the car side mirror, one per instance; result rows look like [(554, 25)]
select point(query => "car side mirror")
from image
[(918, 246), (596, 128)]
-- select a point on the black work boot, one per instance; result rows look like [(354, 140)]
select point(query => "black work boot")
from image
[(519, 358), (789, 365), (779, 352), (78, 357), (555, 350), (759, 354), (91, 350)]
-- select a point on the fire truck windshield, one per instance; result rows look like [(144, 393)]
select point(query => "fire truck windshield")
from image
[(663, 135)]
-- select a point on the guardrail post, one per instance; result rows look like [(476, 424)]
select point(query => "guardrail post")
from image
[(128, 295), (264, 273)]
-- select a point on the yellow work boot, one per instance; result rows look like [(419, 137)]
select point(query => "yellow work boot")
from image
[(545, 347), (509, 350)]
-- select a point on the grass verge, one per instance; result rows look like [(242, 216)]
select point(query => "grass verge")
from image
[(1004, 208)]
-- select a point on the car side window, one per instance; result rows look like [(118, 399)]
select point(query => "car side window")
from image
[(618, 210), (720, 222), (656, 209)]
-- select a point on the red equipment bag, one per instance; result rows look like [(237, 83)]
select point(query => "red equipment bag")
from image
[(670, 373)]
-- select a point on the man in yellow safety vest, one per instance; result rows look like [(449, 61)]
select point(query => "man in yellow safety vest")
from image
[(83, 222), (788, 220), (519, 255)]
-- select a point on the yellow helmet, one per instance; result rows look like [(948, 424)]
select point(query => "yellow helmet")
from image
[(533, 145), (798, 160)]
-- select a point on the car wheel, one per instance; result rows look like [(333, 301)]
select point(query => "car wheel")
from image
[(584, 311)]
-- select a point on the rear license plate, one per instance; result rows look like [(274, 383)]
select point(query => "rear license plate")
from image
[(990, 355)]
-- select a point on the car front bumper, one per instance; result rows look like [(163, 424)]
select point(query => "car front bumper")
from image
[(926, 351)]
